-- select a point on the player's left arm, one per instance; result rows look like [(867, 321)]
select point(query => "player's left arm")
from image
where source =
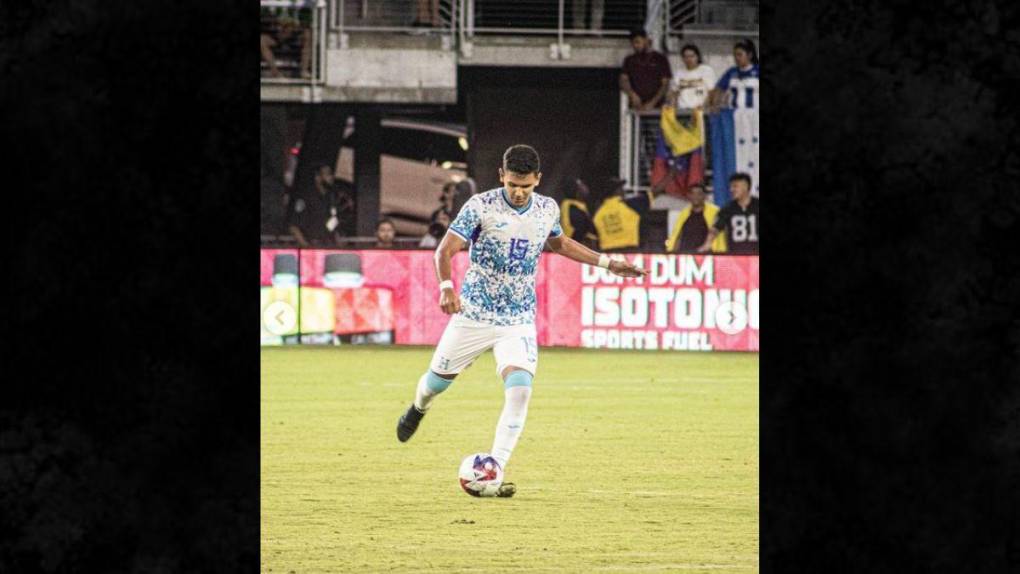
[(571, 249)]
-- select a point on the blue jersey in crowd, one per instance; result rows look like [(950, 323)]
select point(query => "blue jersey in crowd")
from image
[(741, 87)]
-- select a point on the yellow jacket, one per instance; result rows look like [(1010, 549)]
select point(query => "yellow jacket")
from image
[(710, 212), (568, 229), (617, 224)]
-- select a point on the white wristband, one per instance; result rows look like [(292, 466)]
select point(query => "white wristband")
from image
[(603, 261), (448, 284)]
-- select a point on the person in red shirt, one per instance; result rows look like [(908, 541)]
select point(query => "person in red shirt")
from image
[(646, 74)]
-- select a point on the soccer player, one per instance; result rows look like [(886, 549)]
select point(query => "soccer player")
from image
[(507, 228)]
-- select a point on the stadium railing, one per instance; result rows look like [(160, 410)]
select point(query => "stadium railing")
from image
[(457, 22), (312, 17), (680, 13), (560, 18), (394, 16), (725, 14), (545, 17)]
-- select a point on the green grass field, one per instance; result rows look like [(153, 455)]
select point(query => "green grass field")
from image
[(629, 462)]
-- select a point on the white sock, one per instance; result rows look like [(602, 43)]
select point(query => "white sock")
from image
[(425, 392), (511, 423)]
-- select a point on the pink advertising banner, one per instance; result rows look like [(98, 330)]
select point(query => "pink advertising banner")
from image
[(697, 303)]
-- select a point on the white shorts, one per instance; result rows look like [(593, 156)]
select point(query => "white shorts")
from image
[(465, 339)]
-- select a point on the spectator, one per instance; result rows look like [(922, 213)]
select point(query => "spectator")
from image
[(467, 188), (693, 81), (385, 232), (464, 190), (692, 225), (597, 10), (736, 147), (742, 77), (284, 36), (618, 220), (646, 74), (317, 220), (446, 200), (574, 217), (645, 79), (437, 229), (739, 218)]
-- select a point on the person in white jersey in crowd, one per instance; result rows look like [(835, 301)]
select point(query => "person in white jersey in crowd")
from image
[(738, 89), (692, 81)]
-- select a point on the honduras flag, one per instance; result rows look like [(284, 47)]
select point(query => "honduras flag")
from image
[(734, 132)]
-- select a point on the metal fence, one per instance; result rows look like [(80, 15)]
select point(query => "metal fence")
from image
[(424, 17), (728, 14), (551, 17), (291, 36), (679, 13), (298, 31)]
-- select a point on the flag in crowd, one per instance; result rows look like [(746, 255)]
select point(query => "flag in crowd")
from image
[(734, 133), (679, 151)]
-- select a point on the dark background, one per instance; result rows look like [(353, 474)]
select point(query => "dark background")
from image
[(562, 112), (129, 410), (890, 409), (890, 403)]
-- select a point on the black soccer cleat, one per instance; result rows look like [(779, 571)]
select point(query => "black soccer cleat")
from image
[(506, 490), (408, 423)]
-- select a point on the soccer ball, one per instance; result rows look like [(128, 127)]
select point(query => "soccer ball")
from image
[(480, 475)]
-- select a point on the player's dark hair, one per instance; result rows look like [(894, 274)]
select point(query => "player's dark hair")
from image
[(521, 159), (741, 177), (698, 186), (748, 46), (385, 220), (692, 48), (638, 33)]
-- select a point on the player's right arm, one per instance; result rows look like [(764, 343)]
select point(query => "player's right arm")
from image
[(451, 244), (467, 224)]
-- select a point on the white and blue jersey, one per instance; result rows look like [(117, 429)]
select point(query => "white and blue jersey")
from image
[(506, 242), (741, 87)]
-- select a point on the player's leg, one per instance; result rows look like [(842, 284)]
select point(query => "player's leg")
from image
[(517, 360), (461, 343), (516, 396), (429, 385)]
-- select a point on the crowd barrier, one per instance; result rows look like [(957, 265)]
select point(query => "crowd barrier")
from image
[(687, 303)]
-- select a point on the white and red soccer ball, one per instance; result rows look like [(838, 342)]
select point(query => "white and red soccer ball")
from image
[(480, 475)]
